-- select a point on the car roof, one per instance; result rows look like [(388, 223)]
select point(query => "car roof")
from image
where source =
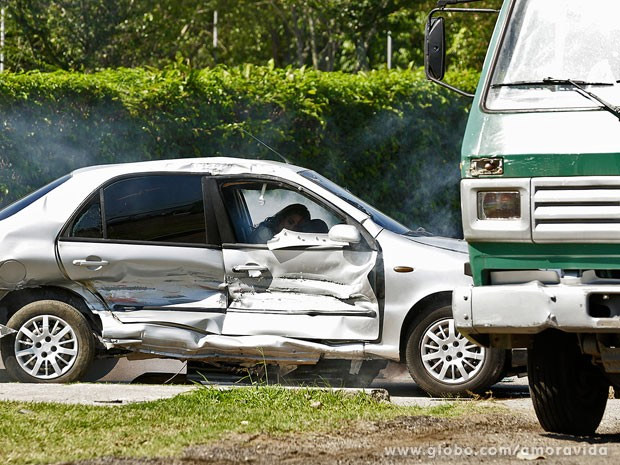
[(211, 165)]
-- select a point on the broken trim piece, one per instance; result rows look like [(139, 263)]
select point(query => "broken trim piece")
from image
[(293, 239), (361, 313), (5, 331), (133, 308)]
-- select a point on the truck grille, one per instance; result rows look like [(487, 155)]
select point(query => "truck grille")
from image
[(576, 209)]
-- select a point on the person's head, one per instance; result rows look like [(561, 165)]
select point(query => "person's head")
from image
[(291, 217)]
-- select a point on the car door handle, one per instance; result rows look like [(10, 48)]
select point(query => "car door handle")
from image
[(242, 268), (90, 262)]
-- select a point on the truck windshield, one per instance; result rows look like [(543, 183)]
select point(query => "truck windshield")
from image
[(559, 39)]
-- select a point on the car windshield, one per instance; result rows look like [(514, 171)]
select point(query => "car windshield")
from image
[(378, 217), (31, 198), (549, 42)]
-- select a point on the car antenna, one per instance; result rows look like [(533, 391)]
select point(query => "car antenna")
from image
[(261, 142)]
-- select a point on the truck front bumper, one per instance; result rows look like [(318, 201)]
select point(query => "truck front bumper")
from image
[(531, 308)]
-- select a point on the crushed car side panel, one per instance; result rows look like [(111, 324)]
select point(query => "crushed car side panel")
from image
[(140, 283), (306, 291)]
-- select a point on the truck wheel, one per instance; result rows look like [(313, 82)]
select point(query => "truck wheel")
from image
[(569, 393), (53, 343), (443, 362)]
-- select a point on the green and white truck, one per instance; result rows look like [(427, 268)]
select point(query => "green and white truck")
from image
[(540, 196)]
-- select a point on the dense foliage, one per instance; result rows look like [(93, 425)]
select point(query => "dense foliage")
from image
[(390, 137), (345, 35)]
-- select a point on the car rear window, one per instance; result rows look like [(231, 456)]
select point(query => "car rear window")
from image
[(156, 208), (31, 198)]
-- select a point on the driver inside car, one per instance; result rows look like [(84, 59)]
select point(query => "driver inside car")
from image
[(292, 217)]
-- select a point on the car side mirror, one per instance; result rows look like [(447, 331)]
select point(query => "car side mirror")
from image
[(344, 233), (435, 49)]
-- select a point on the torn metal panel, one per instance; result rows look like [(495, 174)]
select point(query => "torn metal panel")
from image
[(301, 290), (165, 340), (208, 321), (167, 284), (286, 238), (326, 326)]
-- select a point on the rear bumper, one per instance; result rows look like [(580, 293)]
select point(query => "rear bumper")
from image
[(530, 308)]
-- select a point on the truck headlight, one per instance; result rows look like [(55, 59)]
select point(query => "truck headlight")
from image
[(496, 210), (499, 205)]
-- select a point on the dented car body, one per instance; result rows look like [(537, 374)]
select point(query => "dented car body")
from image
[(194, 259)]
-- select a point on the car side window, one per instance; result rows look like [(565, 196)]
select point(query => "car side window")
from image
[(88, 223), (156, 208), (260, 210)]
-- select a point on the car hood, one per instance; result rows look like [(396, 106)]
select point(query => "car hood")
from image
[(446, 243)]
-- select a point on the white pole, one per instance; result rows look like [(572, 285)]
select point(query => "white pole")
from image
[(215, 29), (215, 36), (389, 50), (2, 39)]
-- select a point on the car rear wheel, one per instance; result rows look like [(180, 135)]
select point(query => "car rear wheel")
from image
[(569, 393), (443, 362), (53, 343)]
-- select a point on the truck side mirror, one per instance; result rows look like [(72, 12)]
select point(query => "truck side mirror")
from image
[(435, 48), (435, 42)]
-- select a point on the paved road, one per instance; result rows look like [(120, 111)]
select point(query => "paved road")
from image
[(89, 393), (395, 379), (110, 385), (99, 393), (121, 370)]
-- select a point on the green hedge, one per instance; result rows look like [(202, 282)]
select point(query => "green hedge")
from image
[(390, 137)]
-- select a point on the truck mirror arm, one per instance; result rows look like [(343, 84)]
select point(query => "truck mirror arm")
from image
[(442, 3), (429, 26)]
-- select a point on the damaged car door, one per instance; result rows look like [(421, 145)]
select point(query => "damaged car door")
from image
[(294, 267), (142, 245)]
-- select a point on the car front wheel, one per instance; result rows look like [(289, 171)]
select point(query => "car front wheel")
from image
[(53, 343), (443, 362)]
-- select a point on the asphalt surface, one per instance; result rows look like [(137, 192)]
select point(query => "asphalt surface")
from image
[(89, 393), (123, 381)]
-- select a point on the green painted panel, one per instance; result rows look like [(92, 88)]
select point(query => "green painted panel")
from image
[(591, 164), (523, 256)]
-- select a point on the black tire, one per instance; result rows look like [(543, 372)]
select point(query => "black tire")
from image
[(61, 358), (475, 376), (569, 393)]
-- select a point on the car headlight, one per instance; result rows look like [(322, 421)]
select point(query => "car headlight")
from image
[(499, 205)]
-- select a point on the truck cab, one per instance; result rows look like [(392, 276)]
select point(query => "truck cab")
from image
[(540, 198)]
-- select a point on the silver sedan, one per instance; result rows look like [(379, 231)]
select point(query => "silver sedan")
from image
[(227, 261)]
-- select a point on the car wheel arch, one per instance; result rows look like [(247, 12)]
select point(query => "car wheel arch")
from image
[(17, 299), (435, 300)]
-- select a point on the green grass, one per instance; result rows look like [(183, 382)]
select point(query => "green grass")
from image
[(50, 433)]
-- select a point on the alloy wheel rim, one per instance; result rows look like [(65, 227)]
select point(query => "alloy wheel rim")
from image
[(448, 356), (46, 347)]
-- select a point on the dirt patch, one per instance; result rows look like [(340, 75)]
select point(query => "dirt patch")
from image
[(494, 438)]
